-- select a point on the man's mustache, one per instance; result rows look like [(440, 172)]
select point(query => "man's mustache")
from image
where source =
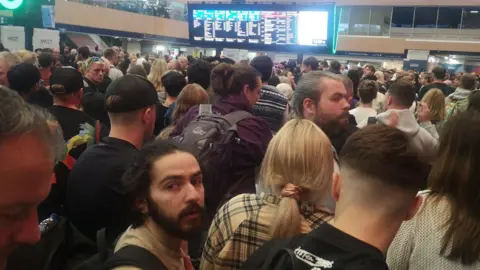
[(191, 209)]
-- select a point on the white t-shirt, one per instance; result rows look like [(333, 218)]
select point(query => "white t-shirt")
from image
[(362, 114)]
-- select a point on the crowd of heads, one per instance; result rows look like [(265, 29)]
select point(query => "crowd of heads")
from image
[(353, 146)]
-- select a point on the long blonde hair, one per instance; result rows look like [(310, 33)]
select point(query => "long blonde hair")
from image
[(299, 154), (159, 67), (435, 99)]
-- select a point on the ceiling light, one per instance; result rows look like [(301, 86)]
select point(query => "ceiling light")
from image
[(474, 11)]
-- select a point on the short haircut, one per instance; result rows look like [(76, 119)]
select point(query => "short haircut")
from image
[(311, 62), (468, 82), (84, 52), (47, 50), (371, 67), (311, 86), (138, 177), (403, 92), (367, 90), (137, 70), (381, 156), (199, 73), (45, 59), (264, 65), (173, 82), (274, 81), (439, 73), (109, 53), (324, 64), (23, 78), (18, 118), (335, 65)]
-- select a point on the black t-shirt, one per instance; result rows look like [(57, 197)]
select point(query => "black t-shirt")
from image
[(42, 98), (326, 247), (95, 198), (72, 121)]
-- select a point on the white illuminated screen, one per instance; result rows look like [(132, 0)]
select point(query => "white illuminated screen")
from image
[(312, 27)]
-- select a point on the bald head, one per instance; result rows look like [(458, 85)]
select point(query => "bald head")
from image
[(173, 65), (183, 61)]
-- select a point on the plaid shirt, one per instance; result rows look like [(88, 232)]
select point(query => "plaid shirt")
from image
[(242, 225)]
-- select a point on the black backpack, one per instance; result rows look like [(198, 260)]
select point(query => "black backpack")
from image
[(283, 254), (210, 137)]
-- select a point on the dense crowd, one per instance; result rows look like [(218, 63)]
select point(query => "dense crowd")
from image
[(117, 160)]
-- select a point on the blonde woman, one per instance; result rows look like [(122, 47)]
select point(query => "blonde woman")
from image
[(294, 179), (159, 67), (435, 100)]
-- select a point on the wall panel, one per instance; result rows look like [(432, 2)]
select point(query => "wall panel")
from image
[(399, 45), (90, 16)]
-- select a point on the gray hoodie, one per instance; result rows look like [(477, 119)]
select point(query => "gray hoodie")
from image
[(423, 136), (459, 94)]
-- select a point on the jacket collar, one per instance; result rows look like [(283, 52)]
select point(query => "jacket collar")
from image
[(239, 101)]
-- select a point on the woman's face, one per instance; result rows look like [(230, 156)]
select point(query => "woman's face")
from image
[(290, 76)]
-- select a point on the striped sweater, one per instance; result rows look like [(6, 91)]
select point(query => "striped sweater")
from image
[(271, 106)]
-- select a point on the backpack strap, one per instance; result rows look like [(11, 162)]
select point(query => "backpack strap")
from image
[(97, 131), (134, 256), (237, 116), (102, 244), (205, 109)]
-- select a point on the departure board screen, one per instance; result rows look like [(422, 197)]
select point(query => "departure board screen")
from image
[(229, 26)]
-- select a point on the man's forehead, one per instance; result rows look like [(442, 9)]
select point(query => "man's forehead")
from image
[(331, 85)]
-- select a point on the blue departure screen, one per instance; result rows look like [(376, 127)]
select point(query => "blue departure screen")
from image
[(261, 27)]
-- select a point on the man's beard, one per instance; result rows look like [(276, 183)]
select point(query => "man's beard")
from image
[(173, 227), (333, 126)]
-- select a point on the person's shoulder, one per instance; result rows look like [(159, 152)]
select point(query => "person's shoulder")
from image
[(243, 201), (256, 125), (237, 210)]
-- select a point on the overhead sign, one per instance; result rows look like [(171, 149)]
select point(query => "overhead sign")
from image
[(12, 37), (46, 38), (11, 4)]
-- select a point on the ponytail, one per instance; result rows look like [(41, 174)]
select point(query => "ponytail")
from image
[(287, 220), (231, 79), (220, 79)]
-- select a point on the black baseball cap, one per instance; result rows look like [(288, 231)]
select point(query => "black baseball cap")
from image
[(130, 93), (65, 81)]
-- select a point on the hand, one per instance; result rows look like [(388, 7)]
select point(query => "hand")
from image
[(187, 262), (423, 112)]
